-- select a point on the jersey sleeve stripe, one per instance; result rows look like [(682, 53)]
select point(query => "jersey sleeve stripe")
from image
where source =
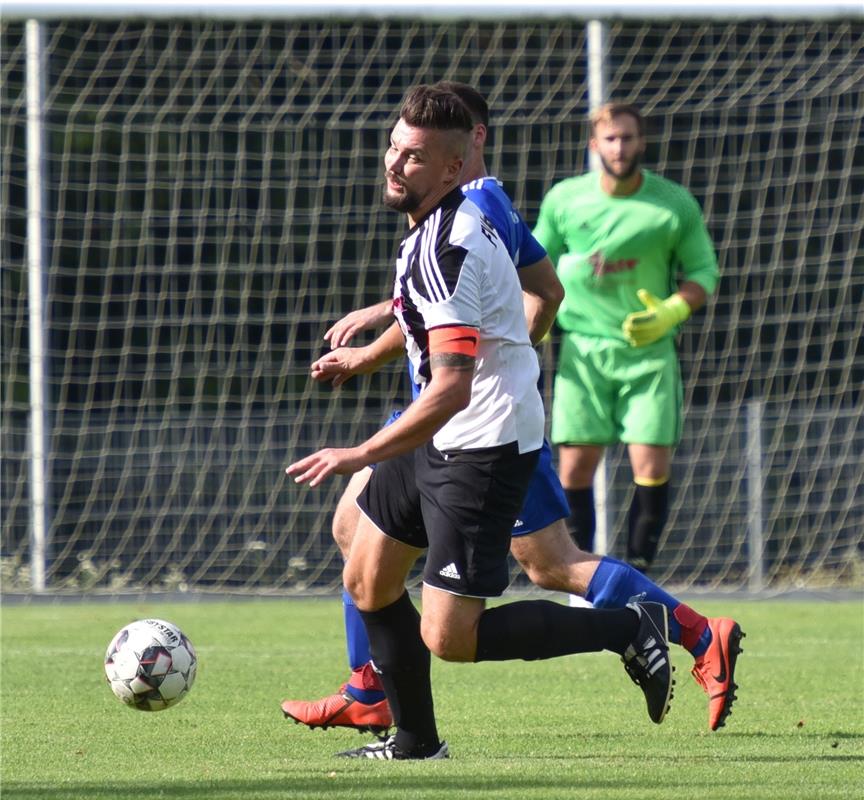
[(429, 261), (422, 261)]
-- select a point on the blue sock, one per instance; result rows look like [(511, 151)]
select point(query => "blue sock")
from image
[(702, 644), (358, 649), (615, 584), (355, 633)]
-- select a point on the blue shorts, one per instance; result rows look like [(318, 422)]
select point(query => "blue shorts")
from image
[(545, 501)]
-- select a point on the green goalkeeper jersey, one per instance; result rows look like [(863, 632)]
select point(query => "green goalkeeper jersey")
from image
[(605, 248)]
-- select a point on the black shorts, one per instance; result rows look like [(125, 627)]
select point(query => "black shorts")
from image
[(460, 505)]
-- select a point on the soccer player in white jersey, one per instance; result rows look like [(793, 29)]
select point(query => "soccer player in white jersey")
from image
[(540, 540), (453, 469)]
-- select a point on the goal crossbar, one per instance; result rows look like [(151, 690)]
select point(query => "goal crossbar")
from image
[(441, 9)]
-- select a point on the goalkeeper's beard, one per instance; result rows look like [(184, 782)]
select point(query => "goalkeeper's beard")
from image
[(629, 170)]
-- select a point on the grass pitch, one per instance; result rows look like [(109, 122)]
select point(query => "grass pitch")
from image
[(567, 728)]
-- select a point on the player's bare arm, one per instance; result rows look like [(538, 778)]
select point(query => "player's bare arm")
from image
[(344, 362), (324, 463), (362, 319), (447, 393), (542, 294)]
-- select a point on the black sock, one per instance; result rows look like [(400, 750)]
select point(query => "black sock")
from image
[(582, 521), (648, 513), (403, 662), (539, 629)]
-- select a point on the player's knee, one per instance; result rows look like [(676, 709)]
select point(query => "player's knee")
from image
[(357, 583), (541, 574), (351, 581), (577, 465), (448, 643), (371, 588), (551, 560)]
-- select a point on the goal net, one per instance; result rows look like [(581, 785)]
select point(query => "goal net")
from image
[(213, 206)]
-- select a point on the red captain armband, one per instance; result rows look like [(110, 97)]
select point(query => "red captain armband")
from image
[(454, 339)]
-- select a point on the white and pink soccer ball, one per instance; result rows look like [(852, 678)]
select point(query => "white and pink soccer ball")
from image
[(150, 665)]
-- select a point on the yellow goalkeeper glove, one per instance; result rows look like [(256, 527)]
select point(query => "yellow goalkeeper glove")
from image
[(644, 327)]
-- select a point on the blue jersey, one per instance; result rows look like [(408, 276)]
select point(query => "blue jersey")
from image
[(489, 196)]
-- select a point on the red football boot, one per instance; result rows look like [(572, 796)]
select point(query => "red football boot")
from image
[(342, 710), (714, 670)]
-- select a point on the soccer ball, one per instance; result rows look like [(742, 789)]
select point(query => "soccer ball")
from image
[(150, 665)]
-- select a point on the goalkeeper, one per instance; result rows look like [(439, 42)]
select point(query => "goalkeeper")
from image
[(618, 236)]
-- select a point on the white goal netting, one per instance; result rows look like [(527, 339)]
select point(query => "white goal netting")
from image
[(212, 206)]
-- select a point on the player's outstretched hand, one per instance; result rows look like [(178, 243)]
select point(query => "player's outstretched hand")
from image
[(337, 366), (330, 461), (641, 328), (363, 319)]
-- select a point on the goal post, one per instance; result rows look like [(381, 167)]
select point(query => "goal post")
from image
[(211, 179), (447, 11)]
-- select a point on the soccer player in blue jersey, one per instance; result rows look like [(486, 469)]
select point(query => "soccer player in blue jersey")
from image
[(540, 541)]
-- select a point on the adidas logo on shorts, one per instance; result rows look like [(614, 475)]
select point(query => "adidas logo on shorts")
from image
[(518, 523), (450, 571)]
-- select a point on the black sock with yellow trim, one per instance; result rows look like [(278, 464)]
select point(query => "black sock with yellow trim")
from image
[(648, 514)]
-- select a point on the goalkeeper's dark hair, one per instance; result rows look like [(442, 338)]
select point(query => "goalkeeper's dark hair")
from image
[(428, 107), (475, 101)]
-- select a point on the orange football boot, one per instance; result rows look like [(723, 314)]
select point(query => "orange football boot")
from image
[(341, 710), (714, 670)]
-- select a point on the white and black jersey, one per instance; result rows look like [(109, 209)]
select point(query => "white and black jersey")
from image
[(453, 270)]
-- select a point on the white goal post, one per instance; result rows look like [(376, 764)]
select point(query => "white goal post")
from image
[(189, 197)]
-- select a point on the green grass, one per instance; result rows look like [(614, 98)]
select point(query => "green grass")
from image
[(568, 728)]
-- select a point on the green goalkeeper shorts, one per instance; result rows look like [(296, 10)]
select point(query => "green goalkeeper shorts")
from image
[(607, 391)]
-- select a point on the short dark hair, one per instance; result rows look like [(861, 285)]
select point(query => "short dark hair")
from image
[(474, 101), (428, 107)]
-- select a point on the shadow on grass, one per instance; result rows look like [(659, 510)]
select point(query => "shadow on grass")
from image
[(388, 781), (619, 775), (382, 779)]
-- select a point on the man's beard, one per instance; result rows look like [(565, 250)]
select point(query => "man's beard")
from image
[(628, 172), (404, 203)]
